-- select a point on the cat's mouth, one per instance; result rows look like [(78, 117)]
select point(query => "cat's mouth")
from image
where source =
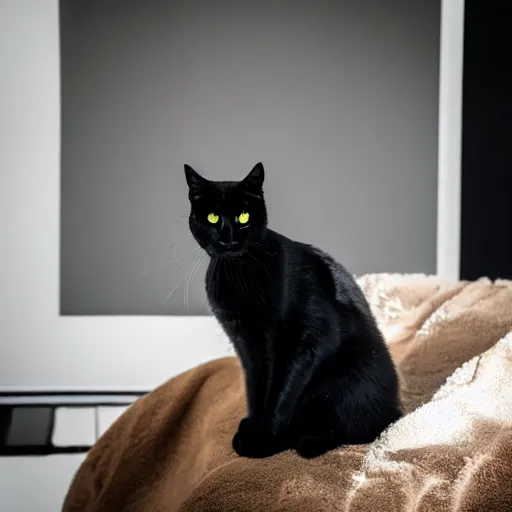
[(222, 251), (230, 254)]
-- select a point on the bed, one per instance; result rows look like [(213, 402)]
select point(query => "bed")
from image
[(452, 451)]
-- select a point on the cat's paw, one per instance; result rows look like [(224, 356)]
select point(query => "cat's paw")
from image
[(311, 446), (246, 427), (252, 442), (245, 440)]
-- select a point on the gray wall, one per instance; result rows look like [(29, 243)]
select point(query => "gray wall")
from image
[(338, 98)]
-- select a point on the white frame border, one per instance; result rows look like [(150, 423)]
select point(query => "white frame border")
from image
[(125, 353), (450, 139)]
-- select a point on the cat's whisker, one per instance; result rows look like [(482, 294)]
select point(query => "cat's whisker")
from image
[(173, 245), (203, 259), (179, 282), (174, 260), (190, 237), (191, 276)]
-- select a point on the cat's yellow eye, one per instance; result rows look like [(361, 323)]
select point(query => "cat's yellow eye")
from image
[(212, 218), (243, 218)]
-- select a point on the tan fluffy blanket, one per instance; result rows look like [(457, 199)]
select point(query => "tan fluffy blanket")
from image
[(171, 451)]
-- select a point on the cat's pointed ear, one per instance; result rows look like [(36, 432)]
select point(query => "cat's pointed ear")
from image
[(254, 180), (197, 185)]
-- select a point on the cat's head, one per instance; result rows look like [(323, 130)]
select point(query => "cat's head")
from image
[(226, 217)]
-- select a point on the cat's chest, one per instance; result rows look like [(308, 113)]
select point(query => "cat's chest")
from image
[(239, 290), (251, 334), (241, 317)]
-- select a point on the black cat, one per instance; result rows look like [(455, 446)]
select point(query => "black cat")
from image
[(318, 374)]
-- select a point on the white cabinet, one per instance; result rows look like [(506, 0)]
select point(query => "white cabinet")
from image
[(30, 484)]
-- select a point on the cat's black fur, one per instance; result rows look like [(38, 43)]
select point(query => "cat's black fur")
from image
[(318, 374)]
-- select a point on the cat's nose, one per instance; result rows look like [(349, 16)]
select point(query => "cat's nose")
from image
[(229, 245)]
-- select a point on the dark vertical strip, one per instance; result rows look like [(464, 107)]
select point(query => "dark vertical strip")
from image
[(5, 424), (96, 423), (51, 427), (486, 215), (62, 13)]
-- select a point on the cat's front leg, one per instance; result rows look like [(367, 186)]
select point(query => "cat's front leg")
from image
[(254, 438), (256, 376), (253, 441), (287, 390), (249, 439), (290, 388), (258, 435)]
